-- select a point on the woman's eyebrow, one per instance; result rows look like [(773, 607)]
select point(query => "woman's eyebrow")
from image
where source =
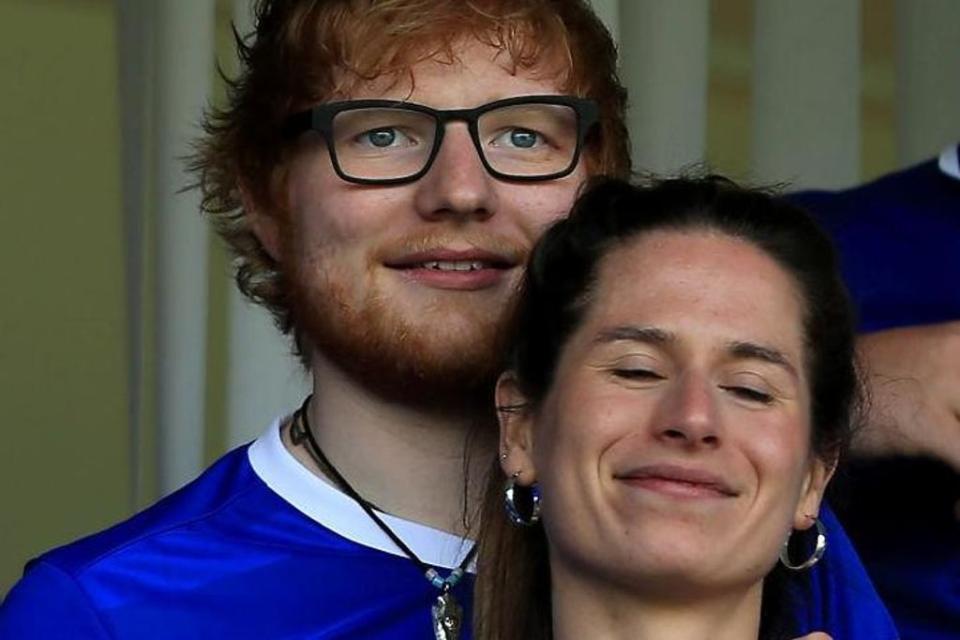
[(737, 349), (753, 351), (632, 333)]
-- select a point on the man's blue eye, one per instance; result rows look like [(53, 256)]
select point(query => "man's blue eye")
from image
[(381, 137), (523, 138)]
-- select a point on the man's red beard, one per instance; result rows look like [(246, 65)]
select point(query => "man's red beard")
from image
[(401, 360)]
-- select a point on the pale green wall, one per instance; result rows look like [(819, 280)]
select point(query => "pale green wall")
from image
[(63, 450)]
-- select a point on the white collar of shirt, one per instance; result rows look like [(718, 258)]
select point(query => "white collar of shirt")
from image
[(336, 511), (949, 163)]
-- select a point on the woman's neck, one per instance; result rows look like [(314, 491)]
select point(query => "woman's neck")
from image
[(582, 610)]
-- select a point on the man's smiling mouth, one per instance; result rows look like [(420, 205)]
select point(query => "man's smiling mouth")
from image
[(451, 269)]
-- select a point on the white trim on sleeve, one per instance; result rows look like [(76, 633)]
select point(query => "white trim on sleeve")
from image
[(949, 163)]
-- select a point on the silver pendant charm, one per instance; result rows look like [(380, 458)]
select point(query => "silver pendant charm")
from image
[(447, 617)]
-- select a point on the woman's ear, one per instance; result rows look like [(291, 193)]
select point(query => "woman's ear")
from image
[(814, 486), (516, 430), (263, 225)]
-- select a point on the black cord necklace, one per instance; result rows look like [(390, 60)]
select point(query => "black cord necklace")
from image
[(446, 611)]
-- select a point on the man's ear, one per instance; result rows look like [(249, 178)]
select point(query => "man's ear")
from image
[(516, 430), (264, 226), (814, 486)]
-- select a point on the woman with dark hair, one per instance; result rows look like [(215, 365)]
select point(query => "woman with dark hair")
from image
[(680, 388)]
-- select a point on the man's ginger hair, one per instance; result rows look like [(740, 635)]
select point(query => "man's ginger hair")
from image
[(305, 52)]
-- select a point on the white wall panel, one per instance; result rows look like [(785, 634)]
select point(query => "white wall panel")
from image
[(609, 12), (263, 379), (184, 40), (663, 62), (806, 92), (928, 77), (135, 65)]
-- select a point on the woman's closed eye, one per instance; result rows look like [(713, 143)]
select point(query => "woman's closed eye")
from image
[(748, 393), (634, 367), (637, 373)]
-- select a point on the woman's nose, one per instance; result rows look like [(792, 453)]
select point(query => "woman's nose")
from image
[(689, 415)]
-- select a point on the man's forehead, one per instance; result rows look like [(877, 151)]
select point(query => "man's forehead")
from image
[(417, 75)]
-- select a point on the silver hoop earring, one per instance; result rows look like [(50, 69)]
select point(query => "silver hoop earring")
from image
[(527, 513), (814, 558)]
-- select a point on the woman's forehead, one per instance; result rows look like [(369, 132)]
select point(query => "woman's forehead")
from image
[(698, 281)]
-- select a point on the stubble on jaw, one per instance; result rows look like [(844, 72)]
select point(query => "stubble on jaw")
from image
[(417, 363)]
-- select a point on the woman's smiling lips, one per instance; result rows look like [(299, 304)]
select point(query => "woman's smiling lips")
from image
[(677, 481), (449, 269)]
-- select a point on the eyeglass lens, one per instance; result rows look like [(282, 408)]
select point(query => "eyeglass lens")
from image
[(522, 140)]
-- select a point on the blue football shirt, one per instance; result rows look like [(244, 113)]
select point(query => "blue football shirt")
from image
[(259, 547), (899, 243)]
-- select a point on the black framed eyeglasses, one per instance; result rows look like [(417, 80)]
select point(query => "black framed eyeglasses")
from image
[(526, 138)]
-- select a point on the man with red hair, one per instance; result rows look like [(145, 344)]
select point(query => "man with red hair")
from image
[(381, 172)]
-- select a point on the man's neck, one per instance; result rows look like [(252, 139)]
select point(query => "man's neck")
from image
[(411, 463), (581, 611)]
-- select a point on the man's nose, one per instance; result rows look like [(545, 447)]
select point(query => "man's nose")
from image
[(457, 184), (688, 415)]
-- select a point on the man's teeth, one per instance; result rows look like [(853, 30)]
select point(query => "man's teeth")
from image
[(447, 265)]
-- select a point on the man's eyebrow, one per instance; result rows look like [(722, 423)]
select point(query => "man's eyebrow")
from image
[(753, 351), (648, 335)]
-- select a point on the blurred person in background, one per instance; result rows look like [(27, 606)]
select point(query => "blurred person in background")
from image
[(899, 242)]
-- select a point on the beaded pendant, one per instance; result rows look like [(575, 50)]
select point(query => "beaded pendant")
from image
[(447, 617)]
